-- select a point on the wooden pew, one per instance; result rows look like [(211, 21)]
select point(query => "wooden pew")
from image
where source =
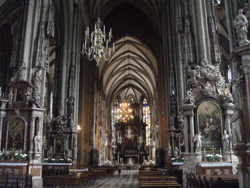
[(62, 181), (150, 179)]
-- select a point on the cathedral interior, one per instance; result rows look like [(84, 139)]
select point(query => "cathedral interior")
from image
[(119, 82)]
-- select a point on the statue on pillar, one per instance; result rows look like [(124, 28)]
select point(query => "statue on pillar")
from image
[(226, 141), (198, 142), (237, 126), (22, 70), (176, 151), (10, 96), (169, 149), (241, 23), (38, 143)]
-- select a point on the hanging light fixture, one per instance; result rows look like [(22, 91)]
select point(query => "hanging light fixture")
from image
[(96, 45), (124, 111)]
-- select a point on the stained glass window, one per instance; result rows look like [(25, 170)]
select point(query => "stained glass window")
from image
[(146, 119)]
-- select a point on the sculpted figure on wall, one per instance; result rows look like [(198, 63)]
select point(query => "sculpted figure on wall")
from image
[(189, 98), (237, 126), (198, 142), (240, 23), (226, 141), (38, 143)]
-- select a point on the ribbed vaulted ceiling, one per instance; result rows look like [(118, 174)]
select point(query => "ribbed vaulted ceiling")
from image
[(131, 70)]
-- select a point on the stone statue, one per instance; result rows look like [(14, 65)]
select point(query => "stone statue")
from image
[(180, 119), (226, 141), (22, 70), (50, 152), (10, 95), (74, 152), (130, 162), (169, 149), (198, 142), (51, 24), (27, 95), (237, 126), (38, 142), (67, 153), (37, 84), (189, 98), (145, 163), (207, 89), (60, 119), (172, 122), (240, 23), (176, 151)]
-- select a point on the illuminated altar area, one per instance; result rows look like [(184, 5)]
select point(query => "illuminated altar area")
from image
[(131, 141)]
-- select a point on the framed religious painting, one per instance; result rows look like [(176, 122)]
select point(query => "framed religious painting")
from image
[(59, 145), (209, 121), (15, 133)]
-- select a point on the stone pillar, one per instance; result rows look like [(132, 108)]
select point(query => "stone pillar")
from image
[(186, 133), (31, 136), (188, 111), (3, 104), (243, 173), (240, 147), (228, 111), (244, 52), (1, 129), (199, 13), (191, 120), (246, 69)]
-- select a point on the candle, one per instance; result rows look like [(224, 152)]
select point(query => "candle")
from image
[(104, 29), (204, 151), (220, 151)]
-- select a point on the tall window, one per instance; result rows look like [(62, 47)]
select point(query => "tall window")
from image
[(146, 119)]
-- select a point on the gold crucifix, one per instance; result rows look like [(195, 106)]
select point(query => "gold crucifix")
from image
[(213, 148)]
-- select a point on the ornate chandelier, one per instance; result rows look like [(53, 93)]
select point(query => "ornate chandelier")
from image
[(96, 45), (125, 112)]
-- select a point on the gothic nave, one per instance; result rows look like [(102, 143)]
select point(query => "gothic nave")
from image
[(86, 84)]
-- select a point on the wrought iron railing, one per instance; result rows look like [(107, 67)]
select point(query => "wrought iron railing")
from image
[(18, 180)]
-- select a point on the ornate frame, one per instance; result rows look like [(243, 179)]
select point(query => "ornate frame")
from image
[(209, 122)]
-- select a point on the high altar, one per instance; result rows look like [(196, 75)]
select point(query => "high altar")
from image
[(131, 141)]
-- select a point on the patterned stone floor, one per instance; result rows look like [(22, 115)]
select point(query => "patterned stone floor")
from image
[(127, 179)]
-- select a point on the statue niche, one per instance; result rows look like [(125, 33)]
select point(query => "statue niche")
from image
[(15, 133)]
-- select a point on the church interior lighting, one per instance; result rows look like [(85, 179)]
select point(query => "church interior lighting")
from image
[(96, 44)]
